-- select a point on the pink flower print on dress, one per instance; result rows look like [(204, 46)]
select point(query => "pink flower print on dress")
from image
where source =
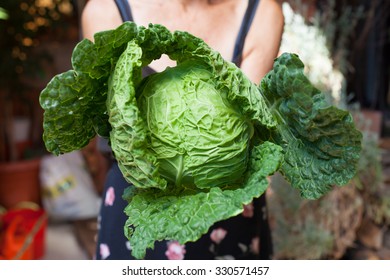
[(217, 235), (175, 251), (104, 251), (110, 197), (248, 210), (128, 245), (255, 245)]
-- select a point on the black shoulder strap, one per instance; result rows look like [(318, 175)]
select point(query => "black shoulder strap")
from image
[(124, 10), (245, 25)]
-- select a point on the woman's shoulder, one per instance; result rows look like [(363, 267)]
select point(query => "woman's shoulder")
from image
[(268, 19), (263, 40), (99, 15), (99, 7), (269, 10)]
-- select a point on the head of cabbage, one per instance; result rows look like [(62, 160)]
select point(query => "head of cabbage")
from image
[(198, 137), (196, 141)]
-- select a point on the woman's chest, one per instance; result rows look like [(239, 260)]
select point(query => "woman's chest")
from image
[(218, 25)]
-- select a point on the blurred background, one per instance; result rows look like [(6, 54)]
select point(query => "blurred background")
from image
[(49, 205)]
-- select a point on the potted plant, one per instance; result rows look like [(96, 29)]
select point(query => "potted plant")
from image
[(26, 65)]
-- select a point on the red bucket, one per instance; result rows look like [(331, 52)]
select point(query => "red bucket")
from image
[(22, 233)]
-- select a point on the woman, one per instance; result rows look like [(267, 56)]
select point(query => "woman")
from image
[(247, 32)]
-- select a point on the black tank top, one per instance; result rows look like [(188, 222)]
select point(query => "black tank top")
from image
[(125, 12)]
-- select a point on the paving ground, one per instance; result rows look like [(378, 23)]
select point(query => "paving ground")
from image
[(70, 241)]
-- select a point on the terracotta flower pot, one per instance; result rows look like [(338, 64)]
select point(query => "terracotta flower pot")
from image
[(19, 181)]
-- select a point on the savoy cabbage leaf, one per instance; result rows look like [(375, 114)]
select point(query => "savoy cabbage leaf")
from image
[(320, 141)]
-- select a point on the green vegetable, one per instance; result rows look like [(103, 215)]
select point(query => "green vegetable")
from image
[(197, 141)]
